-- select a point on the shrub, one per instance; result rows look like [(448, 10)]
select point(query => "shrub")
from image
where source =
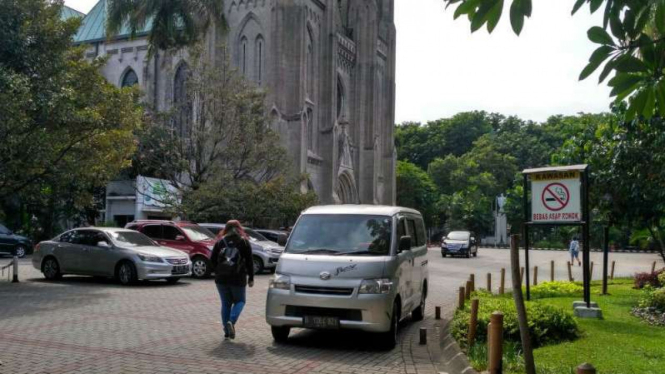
[(547, 324), (555, 289), (651, 279), (661, 277), (652, 298)]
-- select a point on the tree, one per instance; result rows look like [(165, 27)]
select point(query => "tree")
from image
[(633, 48), (174, 24), (416, 190), (65, 130)]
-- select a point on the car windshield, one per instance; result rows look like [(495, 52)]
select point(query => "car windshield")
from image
[(458, 235), (255, 236), (197, 233), (131, 239), (341, 234)]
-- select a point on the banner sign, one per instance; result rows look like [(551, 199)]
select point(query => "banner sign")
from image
[(555, 197)]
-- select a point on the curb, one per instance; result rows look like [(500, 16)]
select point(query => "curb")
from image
[(452, 360)]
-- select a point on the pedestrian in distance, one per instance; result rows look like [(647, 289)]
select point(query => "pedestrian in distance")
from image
[(234, 271), (575, 251)]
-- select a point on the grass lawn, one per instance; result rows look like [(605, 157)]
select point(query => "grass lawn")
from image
[(618, 344)]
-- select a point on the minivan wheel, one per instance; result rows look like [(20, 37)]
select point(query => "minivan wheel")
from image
[(418, 314), (280, 333), (258, 265), (20, 251), (389, 338), (200, 267), (127, 273), (51, 269)]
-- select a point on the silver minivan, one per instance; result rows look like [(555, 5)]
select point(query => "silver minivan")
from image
[(351, 267)]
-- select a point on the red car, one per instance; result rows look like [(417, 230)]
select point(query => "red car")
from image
[(188, 237)]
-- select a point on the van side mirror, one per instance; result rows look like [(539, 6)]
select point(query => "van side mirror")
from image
[(404, 244), (180, 238), (281, 239)]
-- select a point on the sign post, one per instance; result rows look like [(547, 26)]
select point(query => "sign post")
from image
[(559, 197)]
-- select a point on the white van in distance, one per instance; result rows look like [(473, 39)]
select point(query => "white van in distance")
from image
[(351, 267)]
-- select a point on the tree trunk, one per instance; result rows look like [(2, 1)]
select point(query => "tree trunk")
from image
[(659, 240)]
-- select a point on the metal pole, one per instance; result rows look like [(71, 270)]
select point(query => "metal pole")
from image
[(526, 261), (606, 250), (585, 234)]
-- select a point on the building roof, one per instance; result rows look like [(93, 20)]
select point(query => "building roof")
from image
[(93, 28), (580, 168), (379, 210), (68, 13)]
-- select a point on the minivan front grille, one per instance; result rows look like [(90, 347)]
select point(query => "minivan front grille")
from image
[(342, 314), (177, 261), (324, 290)]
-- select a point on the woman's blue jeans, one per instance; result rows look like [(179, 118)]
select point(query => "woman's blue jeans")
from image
[(233, 300)]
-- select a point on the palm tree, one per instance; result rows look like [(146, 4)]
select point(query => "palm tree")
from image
[(174, 23)]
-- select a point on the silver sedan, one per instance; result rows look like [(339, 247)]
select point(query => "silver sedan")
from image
[(126, 255)]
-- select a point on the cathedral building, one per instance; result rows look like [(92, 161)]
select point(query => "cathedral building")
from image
[(328, 67)]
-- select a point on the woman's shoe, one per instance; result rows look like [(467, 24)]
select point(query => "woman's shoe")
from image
[(231, 329)]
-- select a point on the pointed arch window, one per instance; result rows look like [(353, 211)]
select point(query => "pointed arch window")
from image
[(243, 45), (259, 59), (181, 102), (129, 79)]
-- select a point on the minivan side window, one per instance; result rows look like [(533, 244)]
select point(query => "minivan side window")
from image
[(420, 229), (153, 231), (414, 235), (401, 229)]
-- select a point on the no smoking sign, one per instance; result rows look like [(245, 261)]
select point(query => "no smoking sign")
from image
[(555, 197)]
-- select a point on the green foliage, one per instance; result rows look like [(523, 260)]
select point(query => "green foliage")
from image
[(631, 44), (416, 190), (555, 289), (547, 324)]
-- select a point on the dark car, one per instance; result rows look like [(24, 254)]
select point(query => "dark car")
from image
[(13, 244), (275, 236), (459, 243)]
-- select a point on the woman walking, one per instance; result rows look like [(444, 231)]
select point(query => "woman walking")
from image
[(232, 260), (575, 251)]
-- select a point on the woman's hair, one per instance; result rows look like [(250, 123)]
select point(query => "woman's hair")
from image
[(233, 226)]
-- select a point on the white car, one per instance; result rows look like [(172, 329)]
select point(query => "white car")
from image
[(126, 255)]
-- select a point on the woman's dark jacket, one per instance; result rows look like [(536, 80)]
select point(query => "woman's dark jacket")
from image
[(246, 271)]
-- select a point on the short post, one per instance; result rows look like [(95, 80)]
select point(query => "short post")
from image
[(15, 277), (522, 276), (535, 275), (472, 278), (468, 289), (591, 272), (473, 323), (460, 305), (502, 288), (423, 335), (586, 369), (489, 282), (570, 272), (437, 312), (552, 271), (496, 343), (653, 266), (612, 272)]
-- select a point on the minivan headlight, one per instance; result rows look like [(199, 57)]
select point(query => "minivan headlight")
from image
[(375, 286), (149, 258), (280, 282)]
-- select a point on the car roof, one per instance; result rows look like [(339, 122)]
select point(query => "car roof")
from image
[(222, 225), (378, 210), (104, 229), (161, 221)]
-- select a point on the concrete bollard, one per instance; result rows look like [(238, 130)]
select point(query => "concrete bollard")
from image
[(460, 304), (612, 272), (522, 276), (469, 285), (15, 277), (423, 335), (472, 278), (473, 323), (586, 369), (552, 271), (570, 272), (495, 364), (535, 275), (502, 288), (489, 282), (437, 312), (653, 267)]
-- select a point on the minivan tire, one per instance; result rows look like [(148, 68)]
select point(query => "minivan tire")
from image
[(388, 339), (126, 273), (201, 267), (418, 314), (280, 333)]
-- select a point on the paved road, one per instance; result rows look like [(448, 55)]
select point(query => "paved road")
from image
[(88, 325)]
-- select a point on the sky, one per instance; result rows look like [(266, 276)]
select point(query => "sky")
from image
[(443, 69)]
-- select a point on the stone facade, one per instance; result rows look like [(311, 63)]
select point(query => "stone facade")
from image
[(328, 67)]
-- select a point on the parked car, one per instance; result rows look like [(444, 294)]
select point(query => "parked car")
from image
[(351, 267), (275, 236), (459, 243), (188, 237), (126, 255), (13, 244), (265, 253)]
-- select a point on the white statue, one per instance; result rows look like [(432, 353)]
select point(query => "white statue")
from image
[(501, 201)]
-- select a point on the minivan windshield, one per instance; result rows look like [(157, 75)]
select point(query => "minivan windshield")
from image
[(346, 234), (255, 236), (198, 233), (458, 235)]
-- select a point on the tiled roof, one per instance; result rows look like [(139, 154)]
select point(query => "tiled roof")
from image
[(68, 12), (93, 28)]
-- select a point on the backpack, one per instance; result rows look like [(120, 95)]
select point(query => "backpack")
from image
[(230, 261)]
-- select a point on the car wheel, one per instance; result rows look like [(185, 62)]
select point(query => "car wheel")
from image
[(51, 269), (200, 267), (389, 338), (280, 333), (127, 273), (443, 255), (418, 314), (20, 251), (173, 280), (258, 264)]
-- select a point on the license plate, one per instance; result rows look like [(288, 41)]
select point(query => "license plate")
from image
[(180, 269), (318, 322)]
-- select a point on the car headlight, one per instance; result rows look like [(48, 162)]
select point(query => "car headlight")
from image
[(444, 245), (375, 286), (280, 282), (274, 251), (149, 258)]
